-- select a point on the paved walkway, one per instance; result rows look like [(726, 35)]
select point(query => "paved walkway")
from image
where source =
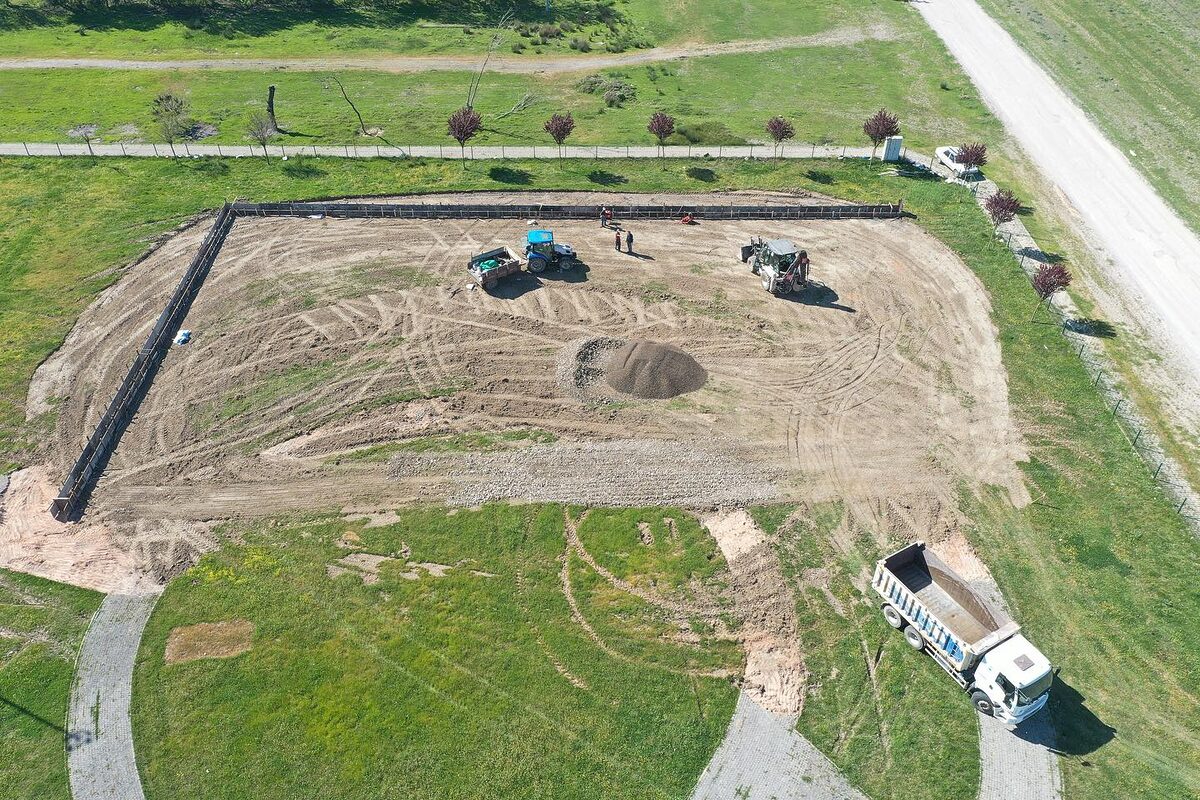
[(530, 64), (100, 760), (451, 151), (762, 756)]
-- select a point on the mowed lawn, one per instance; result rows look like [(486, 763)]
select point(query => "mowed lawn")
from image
[(468, 680), (36, 29), (41, 627), (1134, 65), (1099, 569)]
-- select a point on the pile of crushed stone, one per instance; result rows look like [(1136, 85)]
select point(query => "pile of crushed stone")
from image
[(653, 370)]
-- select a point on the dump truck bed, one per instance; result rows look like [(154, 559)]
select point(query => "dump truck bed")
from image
[(941, 604)]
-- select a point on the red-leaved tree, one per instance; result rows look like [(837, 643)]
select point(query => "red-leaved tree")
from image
[(662, 126), (972, 155), (780, 130), (879, 126), (559, 126), (1002, 207), (463, 125), (1048, 279)]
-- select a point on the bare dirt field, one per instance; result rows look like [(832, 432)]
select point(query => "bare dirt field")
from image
[(316, 342)]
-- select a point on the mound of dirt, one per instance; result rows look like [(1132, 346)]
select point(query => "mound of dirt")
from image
[(653, 370)]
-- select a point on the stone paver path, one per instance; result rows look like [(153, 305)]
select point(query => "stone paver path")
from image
[(762, 756), (100, 760)]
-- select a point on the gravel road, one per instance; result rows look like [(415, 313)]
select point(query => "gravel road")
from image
[(1154, 255)]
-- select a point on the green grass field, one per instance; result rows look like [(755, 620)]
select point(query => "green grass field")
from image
[(31, 29), (41, 627), (1132, 65), (412, 109), (474, 684), (879, 710), (1099, 568)]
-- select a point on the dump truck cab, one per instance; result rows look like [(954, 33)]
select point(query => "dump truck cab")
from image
[(782, 267), (1016, 678), (542, 251)]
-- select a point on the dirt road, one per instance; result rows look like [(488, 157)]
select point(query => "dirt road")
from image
[(838, 37), (1155, 257)]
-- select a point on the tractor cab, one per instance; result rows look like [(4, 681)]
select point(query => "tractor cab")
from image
[(782, 267), (542, 252)]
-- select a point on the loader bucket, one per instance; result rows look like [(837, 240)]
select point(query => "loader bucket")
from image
[(747, 251)]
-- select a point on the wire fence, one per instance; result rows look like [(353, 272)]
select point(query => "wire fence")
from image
[(1085, 335)]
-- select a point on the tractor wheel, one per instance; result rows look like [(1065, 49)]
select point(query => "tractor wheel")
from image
[(785, 287), (537, 264)]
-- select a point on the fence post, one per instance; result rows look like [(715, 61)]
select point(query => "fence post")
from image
[(59, 146), (1160, 466), (1136, 437), (1097, 381), (843, 151), (122, 147), (1181, 505), (1117, 407), (186, 150)]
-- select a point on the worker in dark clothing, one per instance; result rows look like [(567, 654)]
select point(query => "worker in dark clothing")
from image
[(618, 240), (604, 216), (628, 241)]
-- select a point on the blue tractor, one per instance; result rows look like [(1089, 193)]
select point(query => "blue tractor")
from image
[(542, 252)]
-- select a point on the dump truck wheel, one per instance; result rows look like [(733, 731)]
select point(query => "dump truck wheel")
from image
[(982, 703), (914, 639), (893, 617)]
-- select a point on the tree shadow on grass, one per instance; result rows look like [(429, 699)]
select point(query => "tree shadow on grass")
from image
[(300, 169), (1098, 328), (606, 178), (1040, 256), (701, 174), (510, 175), (819, 176)]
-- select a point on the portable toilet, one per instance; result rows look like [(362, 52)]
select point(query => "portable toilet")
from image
[(892, 147)]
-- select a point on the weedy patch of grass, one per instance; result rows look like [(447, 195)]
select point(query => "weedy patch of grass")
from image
[(477, 683), (885, 714), (43, 624), (448, 443)]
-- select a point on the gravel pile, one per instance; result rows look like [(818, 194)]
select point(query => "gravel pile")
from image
[(580, 366), (653, 370)]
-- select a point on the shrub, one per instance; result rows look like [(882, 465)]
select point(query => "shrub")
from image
[(581, 44)]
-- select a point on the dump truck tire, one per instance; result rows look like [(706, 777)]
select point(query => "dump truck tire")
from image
[(914, 639), (982, 703), (893, 617)]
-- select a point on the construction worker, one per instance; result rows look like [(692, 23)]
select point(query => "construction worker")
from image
[(628, 241), (618, 239), (604, 213)]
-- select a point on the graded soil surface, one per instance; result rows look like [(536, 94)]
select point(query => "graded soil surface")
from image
[(882, 386)]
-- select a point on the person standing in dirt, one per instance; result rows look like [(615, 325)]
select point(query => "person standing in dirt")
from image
[(618, 239), (628, 242), (604, 216)]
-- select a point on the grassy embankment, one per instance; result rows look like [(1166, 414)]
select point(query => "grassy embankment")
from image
[(31, 30), (1099, 568), (477, 683), (41, 626)]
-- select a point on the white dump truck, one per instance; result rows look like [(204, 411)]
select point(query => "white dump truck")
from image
[(977, 644)]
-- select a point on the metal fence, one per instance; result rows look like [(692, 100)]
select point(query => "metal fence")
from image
[(553, 211), (90, 464)]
